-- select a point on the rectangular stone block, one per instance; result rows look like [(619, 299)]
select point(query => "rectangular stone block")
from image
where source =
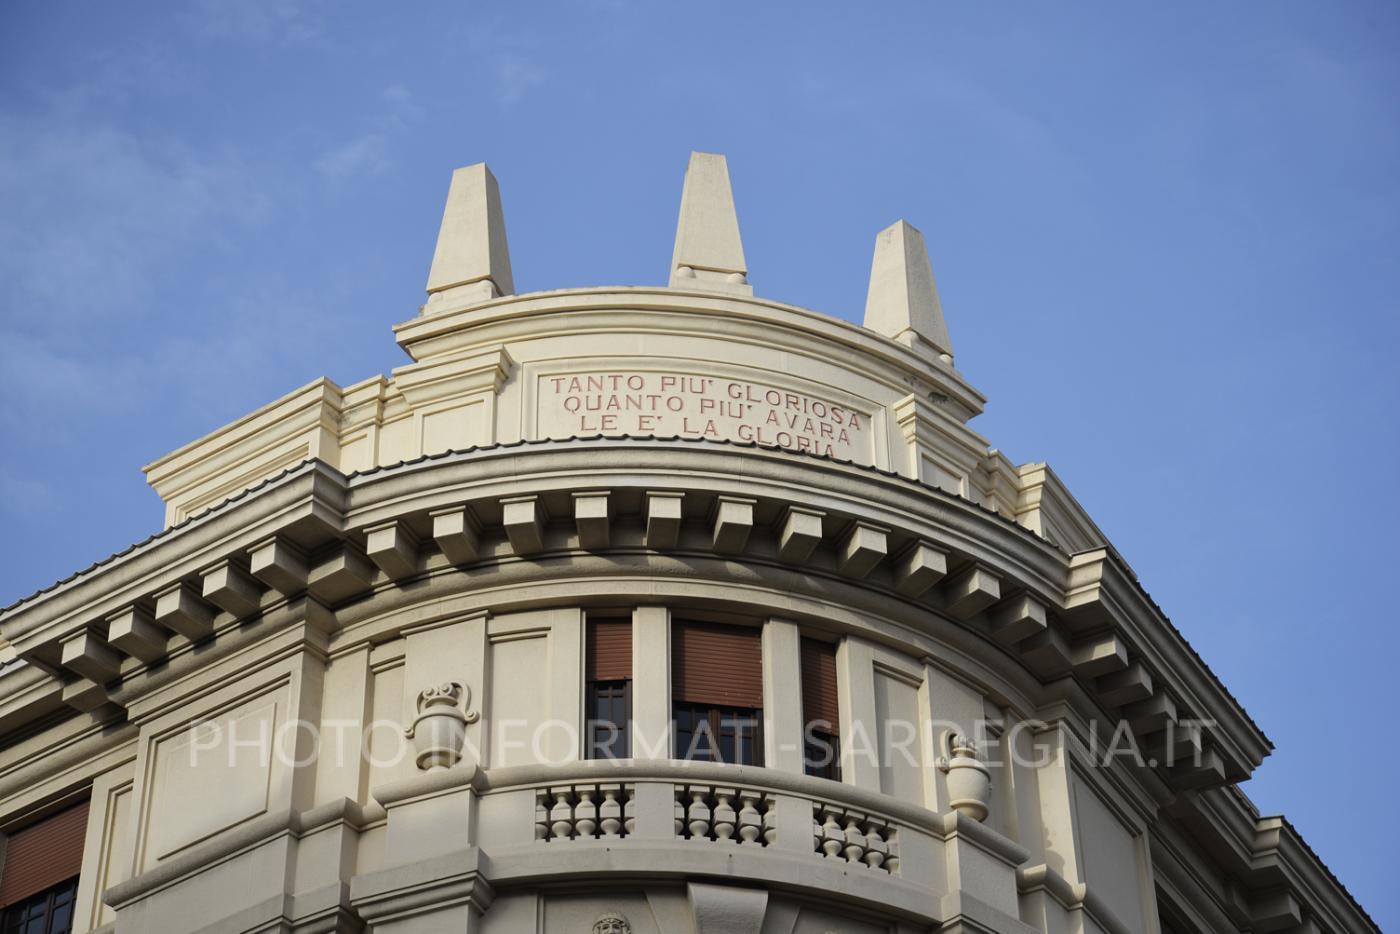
[(1017, 619), (664, 516), (971, 591), (1046, 652), (134, 632), (732, 524), (340, 574), (864, 547), (1099, 655), (181, 609), (1150, 715), (456, 533), (592, 519), (799, 535), (523, 518), (230, 588), (393, 548), (919, 568), (1132, 684), (86, 653), (279, 564)]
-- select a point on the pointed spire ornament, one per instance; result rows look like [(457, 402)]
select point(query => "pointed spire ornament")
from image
[(902, 302), (709, 255), (471, 264)]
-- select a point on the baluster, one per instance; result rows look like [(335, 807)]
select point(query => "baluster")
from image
[(892, 861), (770, 820), (680, 811), (855, 840), (610, 811), (725, 818), (817, 833), (832, 837), (561, 815), (699, 813), (875, 848), (749, 817), (586, 812), (541, 814), (629, 809)]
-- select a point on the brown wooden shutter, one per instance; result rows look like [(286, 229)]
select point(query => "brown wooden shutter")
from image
[(721, 665), (819, 684), (609, 650), (43, 854)]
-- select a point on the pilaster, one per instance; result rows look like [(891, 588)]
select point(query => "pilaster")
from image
[(651, 683), (782, 696)]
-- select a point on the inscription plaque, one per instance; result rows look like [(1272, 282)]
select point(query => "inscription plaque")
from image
[(664, 405)]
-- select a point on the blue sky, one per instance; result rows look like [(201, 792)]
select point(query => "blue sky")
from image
[(1165, 237)]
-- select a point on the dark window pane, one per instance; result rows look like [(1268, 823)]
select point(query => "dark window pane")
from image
[(820, 754), (47, 912), (609, 721), (718, 734), (62, 919)]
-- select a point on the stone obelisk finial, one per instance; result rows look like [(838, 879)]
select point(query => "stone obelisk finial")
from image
[(709, 254), (903, 300), (472, 262)]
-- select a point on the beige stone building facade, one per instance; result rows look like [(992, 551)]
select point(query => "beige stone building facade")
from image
[(638, 609)]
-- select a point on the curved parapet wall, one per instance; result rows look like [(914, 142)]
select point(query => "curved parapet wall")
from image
[(618, 362)]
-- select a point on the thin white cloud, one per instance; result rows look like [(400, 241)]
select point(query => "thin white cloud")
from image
[(394, 110), (362, 156), (97, 218), (25, 495), (91, 208), (260, 21), (512, 63), (514, 76)]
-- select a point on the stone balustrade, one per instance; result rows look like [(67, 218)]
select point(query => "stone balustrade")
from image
[(844, 833), (583, 811), (723, 813), (711, 807), (697, 820)]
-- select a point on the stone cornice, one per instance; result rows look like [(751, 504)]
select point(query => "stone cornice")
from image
[(315, 505), (307, 501), (1103, 592), (1266, 855)]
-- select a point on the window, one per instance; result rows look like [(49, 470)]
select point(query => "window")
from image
[(708, 733), (46, 912), (38, 884), (608, 664), (717, 693), (821, 724)]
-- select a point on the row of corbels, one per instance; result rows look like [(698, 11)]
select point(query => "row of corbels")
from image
[(239, 584)]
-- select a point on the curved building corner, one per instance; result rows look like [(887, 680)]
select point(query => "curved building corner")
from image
[(630, 610)]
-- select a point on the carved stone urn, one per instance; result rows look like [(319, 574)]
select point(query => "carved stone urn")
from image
[(441, 725), (969, 781)]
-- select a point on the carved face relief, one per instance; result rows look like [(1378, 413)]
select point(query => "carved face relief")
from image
[(611, 923)]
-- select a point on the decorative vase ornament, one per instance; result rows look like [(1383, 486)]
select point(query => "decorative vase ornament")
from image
[(969, 781), (440, 728)]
